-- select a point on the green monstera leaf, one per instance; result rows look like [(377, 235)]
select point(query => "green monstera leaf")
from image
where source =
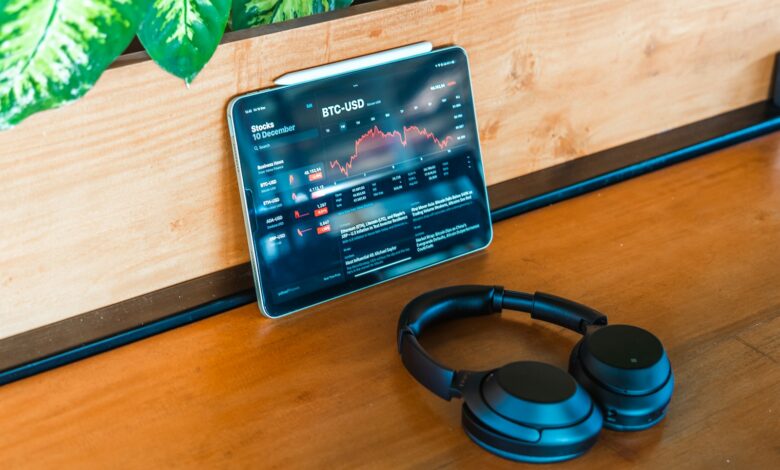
[(53, 51), (248, 13), (182, 35)]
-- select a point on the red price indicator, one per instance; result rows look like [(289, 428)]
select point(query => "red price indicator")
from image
[(315, 176), (323, 229), (321, 211)]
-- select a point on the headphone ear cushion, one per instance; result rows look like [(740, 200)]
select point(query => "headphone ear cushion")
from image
[(627, 372), (530, 412)]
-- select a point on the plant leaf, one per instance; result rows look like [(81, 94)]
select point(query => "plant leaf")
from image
[(53, 51), (248, 13), (182, 35)]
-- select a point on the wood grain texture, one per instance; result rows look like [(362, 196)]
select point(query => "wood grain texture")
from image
[(132, 188), (689, 252)]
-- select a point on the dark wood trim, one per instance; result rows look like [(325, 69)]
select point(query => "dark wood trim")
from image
[(231, 36), (123, 316), (98, 330), (510, 193)]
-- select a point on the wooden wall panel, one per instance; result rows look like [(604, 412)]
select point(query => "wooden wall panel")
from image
[(132, 188)]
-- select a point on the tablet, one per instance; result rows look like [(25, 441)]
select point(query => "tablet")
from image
[(355, 179)]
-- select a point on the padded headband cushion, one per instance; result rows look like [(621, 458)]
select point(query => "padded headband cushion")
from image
[(449, 303), (456, 302)]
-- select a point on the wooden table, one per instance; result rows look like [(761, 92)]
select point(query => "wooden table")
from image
[(691, 252)]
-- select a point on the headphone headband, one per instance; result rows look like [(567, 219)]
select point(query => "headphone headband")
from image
[(469, 301)]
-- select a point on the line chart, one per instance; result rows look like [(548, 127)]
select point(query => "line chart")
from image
[(375, 134)]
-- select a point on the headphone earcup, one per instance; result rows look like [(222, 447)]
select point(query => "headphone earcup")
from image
[(627, 373), (530, 412)]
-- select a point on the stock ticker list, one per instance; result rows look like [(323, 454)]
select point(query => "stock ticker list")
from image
[(360, 179)]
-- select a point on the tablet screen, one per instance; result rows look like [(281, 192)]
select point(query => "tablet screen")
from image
[(359, 178)]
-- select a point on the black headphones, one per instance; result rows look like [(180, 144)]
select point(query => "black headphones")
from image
[(532, 411)]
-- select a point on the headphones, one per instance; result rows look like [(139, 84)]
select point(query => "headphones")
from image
[(619, 376)]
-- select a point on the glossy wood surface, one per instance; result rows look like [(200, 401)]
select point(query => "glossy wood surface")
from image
[(690, 252), (132, 188)]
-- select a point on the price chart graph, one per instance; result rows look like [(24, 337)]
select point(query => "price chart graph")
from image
[(374, 142)]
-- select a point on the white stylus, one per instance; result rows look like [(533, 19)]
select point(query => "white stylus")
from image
[(350, 65)]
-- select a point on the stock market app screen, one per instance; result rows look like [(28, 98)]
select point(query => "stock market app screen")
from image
[(355, 179)]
